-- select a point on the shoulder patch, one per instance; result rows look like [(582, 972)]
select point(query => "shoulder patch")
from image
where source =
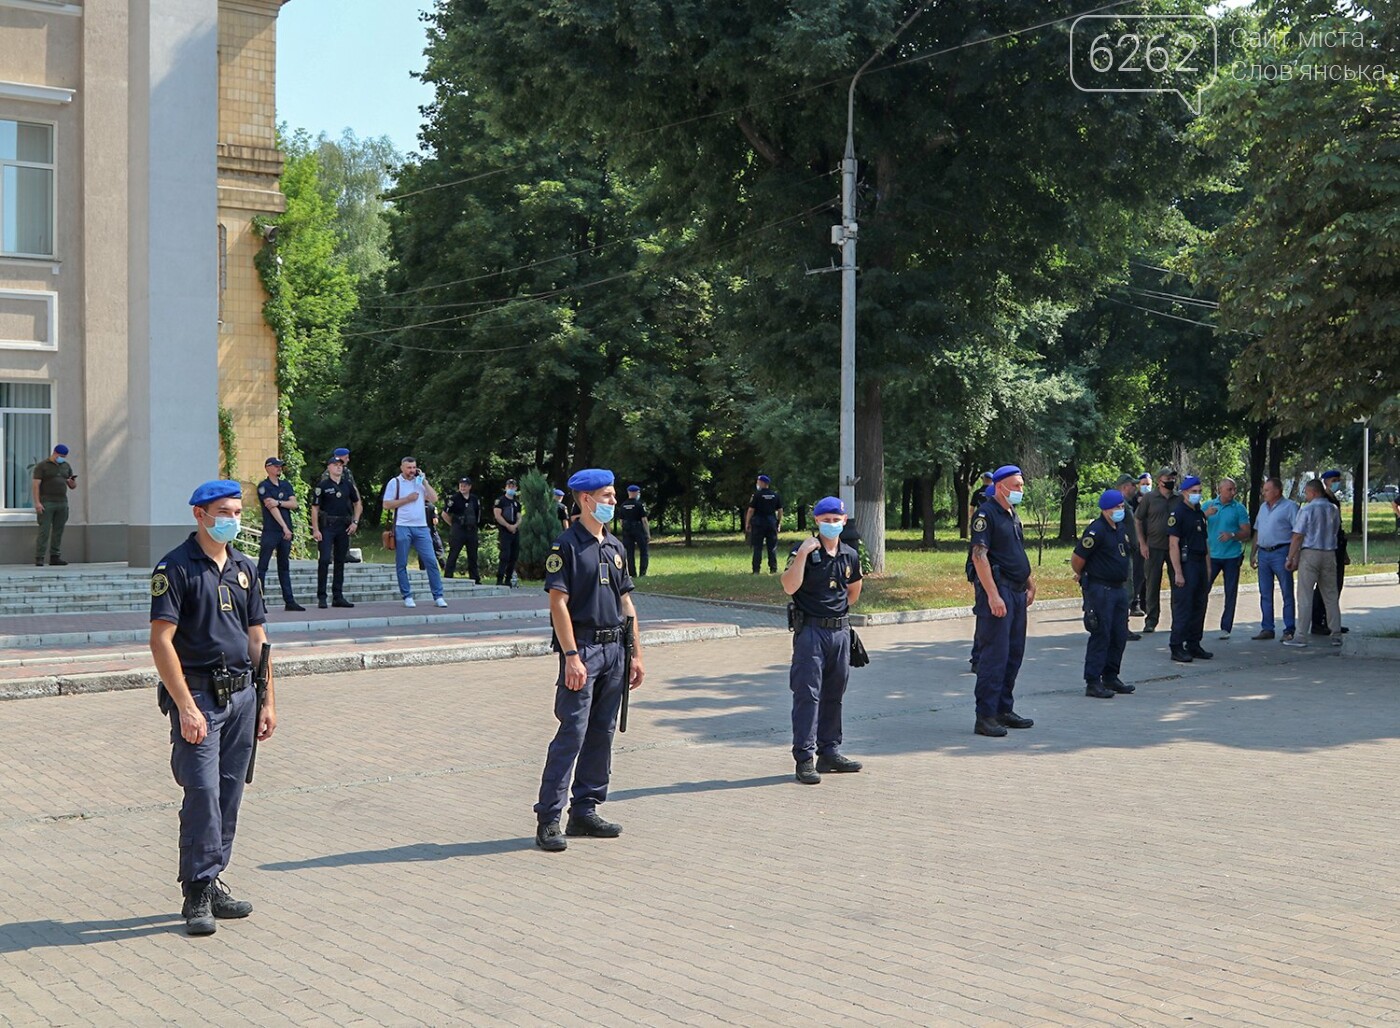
[(262, 490), (554, 563), (979, 523), (1088, 541), (1171, 519), (160, 585)]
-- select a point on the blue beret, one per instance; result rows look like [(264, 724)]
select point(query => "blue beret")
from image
[(342, 452), (829, 505), (1189, 481), (1334, 473), (1005, 471), (219, 489), (558, 492), (61, 449), (589, 479), (1144, 475), (764, 478), (1111, 498), (634, 488), (986, 474)]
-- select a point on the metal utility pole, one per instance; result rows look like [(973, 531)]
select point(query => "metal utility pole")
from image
[(1365, 489)]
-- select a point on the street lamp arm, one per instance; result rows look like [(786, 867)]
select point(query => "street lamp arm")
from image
[(851, 92)]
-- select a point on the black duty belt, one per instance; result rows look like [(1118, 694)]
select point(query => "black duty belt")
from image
[(598, 635), (1271, 549), (835, 624), (203, 680), (1095, 580)]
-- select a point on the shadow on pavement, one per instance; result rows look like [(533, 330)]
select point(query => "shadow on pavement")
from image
[(27, 935), (713, 785), (418, 851)]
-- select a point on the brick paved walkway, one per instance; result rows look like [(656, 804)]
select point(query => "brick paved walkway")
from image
[(1218, 849)]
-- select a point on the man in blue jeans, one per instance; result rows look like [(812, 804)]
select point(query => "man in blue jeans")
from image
[(1273, 531), (407, 496), (1227, 524)]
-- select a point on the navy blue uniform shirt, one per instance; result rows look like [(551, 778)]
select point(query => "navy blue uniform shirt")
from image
[(282, 490), (561, 512), (631, 512), (999, 530), (465, 511), (509, 508), (211, 610), (1104, 550), (822, 593), (1188, 524), (593, 573), (336, 499), (765, 503)]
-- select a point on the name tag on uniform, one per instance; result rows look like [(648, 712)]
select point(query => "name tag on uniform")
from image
[(225, 598), (603, 573)]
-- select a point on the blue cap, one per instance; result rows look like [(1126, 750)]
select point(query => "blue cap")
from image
[(558, 492), (273, 462), (986, 474), (465, 480), (589, 479), (1144, 475), (1005, 471), (333, 460), (342, 452), (61, 449), (219, 489), (1189, 481), (829, 505), (764, 478), (1111, 498), (634, 488), (1333, 473)]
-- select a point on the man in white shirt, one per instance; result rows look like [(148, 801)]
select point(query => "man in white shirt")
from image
[(1273, 533), (406, 496)]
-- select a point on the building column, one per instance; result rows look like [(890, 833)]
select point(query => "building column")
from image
[(173, 384)]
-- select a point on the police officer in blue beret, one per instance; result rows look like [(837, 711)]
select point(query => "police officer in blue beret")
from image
[(1188, 551), (1103, 564), (1004, 588), (763, 520), (561, 510), (823, 578), (207, 618), (588, 585), (278, 499), (636, 531)]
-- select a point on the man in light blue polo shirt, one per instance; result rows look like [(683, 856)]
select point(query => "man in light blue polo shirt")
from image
[(1273, 531), (1313, 554), (1227, 528)]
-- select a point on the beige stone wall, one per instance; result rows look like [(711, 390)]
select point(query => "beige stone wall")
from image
[(249, 166)]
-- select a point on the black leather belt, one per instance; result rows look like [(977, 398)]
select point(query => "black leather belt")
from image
[(1271, 549), (598, 635), (1105, 581), (201, 680)]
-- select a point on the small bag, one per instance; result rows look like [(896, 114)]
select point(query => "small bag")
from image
[(859, 657), (388, 538)]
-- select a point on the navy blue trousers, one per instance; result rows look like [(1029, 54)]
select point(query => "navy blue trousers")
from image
[(1000, 644), (1189, 605), (583, 744), (764, 532), (272, 542), (821, 667), (211, 773), (1104, 653)]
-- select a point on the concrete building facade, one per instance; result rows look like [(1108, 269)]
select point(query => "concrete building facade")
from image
[(128, 137)]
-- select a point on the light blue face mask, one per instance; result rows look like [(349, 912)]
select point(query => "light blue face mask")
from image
[(1118, 514), (1015, 496), (1194, 499), (604, 512), (830, 529), (510, 492), (60, 459), (224, 530)]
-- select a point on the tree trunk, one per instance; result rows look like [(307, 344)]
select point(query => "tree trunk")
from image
[(687, 521), (905, 502), (1357, 489), (1276, 458), (962, 492), (1069, 501), (926, 485), (870, 471), (1258, 454)]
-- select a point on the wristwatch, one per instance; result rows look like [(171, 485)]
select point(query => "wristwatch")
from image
[(571, 653)]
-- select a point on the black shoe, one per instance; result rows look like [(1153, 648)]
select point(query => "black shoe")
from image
[(972, 666), (1180, 656), (354, 560), (1200, 654), (988, 726), (1263, 636), (293, 605), (1098, 691), (1148, 629), (38, 563), (593, 825), (1011, 719), (550, 839), (755, 571), (807, 769), (1134, 637), (1117, 684), (224, 905), (341, 601), (835, 763), (198, 909), (321, 602), (1137, 612), (57, 562)]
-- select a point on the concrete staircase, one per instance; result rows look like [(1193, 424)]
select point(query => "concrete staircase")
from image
[(93, 588)]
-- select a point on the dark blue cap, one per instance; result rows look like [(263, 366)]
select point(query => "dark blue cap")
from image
[(342, 452), (1111, 498), (61, 449), (1333, 473), (558, 492), (273, 462), (764, 478), (829, 505), (634, 488), (1005, 471), (464, 480), (219, 489), (589, 479), (1189, 481)]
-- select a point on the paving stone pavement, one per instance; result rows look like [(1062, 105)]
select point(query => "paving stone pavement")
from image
[(1218, 849)]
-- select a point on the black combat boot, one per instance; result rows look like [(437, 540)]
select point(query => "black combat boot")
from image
[(1098, 690), (807, 772), (223, 904), (198, 909)]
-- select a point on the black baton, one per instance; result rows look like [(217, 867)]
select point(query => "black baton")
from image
[(260, 684), (628, 627)]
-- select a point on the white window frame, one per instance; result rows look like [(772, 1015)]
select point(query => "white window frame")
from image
[(11, 515), (50, 300), (53, 193)]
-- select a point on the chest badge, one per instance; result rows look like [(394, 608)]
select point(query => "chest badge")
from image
[(618, 561), (554, 563), (831, 585), (243, 579)]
